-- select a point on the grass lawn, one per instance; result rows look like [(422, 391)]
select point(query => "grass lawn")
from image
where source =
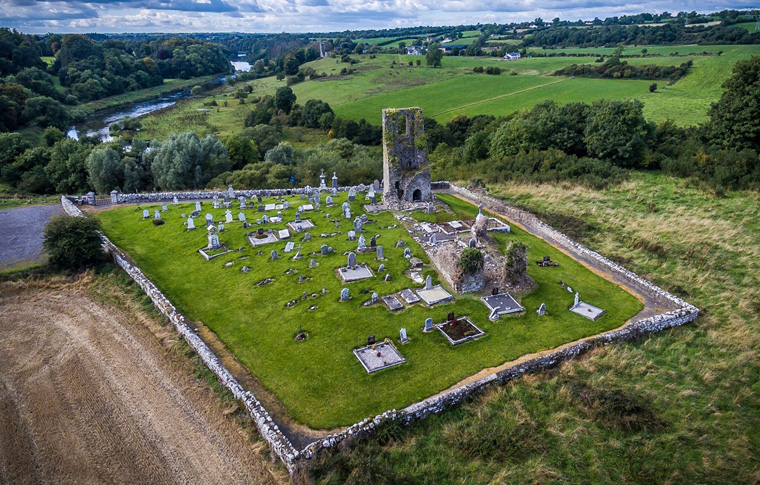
[(319, 381)]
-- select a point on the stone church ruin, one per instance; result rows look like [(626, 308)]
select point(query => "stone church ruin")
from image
[(406, 173)]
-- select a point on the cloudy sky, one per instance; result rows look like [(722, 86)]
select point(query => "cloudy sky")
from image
[(43, 16)]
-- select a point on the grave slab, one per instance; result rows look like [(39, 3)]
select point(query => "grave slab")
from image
[(393, 302), (372, 362), (587, 310), (263, 239), (434, 295), (408, 296), (504, 302), (357, 273)]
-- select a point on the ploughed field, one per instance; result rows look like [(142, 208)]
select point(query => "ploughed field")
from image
[(319, 380)]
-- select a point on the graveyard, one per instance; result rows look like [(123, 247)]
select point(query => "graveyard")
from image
[(257, 303)]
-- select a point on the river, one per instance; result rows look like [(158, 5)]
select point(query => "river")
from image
[(99, 123)]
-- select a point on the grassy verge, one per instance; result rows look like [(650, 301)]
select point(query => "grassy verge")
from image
[(679, 406), (319, 381)]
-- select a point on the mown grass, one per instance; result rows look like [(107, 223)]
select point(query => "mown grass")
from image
[(680, 406), (319, 381)]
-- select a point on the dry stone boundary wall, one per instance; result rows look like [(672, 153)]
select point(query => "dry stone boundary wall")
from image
[(680, 313)]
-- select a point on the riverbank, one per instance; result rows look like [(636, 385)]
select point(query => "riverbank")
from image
[(168, 87)]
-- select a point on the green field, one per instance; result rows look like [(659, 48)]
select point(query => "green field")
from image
[(455, 90), (319, 381), (679, 406)]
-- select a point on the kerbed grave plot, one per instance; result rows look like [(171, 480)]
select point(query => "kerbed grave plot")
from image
[(319, 380)]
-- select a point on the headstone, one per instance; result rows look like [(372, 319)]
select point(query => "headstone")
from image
[(348, 213), (323, 249), (274, 255), (373, 242), (450, 317), (358, 224), (265, 219), (209, 218), (351, 259), (371, 340), (215, 202), (260, 208), (241, 217), (381, 268), (362, 242), (146, 213), (164, 208), (429, 283), (480, 213), (380, 254), (242, 202), (230, 192), (473, 243), (577, 299), (335, 182), (428, 324), (329, 201), (213, 241), (374, 297), (190, 223), (344, 295), (431, 208), (351, 235), (286, 205), (407, 253), (306, 237), (289, 246), (351, 194), (157, 215), (221, 227), (184, 215), (312, 263), (259, 199), (198, 206), (434, 238), (334, 192), (374, 199), (228, 217), (175, 200), (402, 336), (542, 309), (298, 216)]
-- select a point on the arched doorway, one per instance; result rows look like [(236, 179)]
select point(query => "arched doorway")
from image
[(416, 195)]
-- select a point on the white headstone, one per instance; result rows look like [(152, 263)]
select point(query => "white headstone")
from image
[(241, 217), (228, 216), (362, 242), (190, 223), (146, 213), (428, 324), (380, 254), (175, 201), (274, 255), (209, 218), (402, 335), (157, 215), (344, 295), (164, 208), (542, 309), (577, 299), (351, 259), (198, 206), (429, 283)]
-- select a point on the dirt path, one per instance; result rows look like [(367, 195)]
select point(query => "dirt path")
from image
[(92, 393), (499, 97)]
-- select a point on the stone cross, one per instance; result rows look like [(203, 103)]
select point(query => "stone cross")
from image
[(380, 254), (190, 223), (344, 294), (428, 324), (352, 260), (429, 283), (146, 213)]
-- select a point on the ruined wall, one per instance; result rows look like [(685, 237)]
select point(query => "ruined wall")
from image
[(406, 174)]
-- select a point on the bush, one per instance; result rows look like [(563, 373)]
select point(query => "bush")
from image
[(470, 261), (158, 222), (73, 243)]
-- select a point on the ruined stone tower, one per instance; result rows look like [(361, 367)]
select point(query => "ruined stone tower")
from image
[(406, 174)]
